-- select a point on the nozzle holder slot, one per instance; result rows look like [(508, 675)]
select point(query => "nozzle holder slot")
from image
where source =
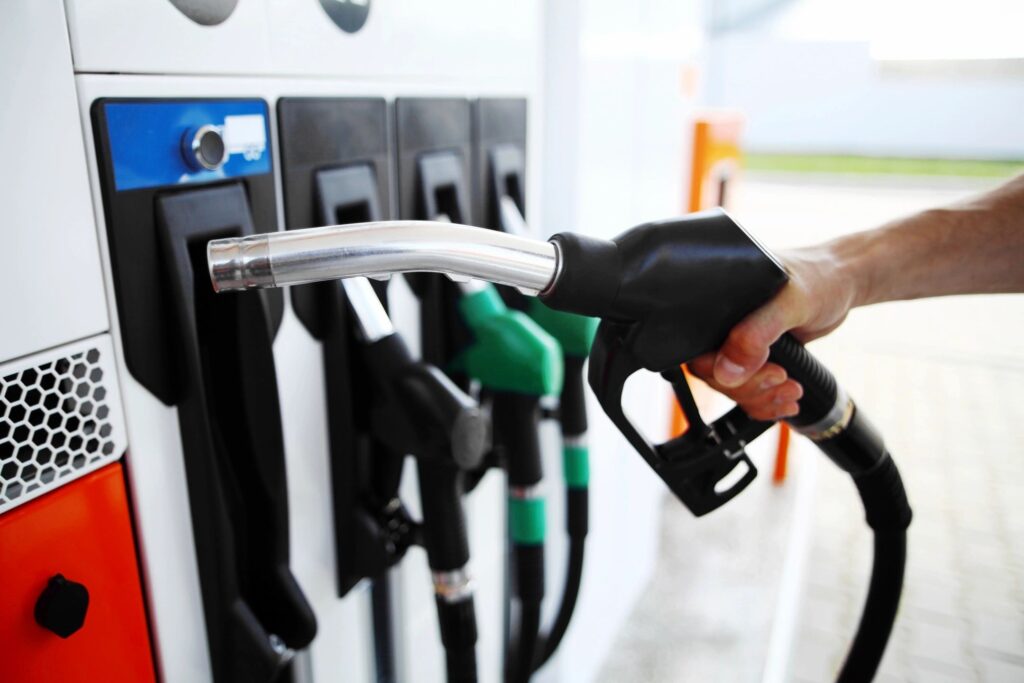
[(434, 170), (499, 157), (318, 135), (232, 440)]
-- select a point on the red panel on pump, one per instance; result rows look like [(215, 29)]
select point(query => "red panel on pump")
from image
[(83, 532)]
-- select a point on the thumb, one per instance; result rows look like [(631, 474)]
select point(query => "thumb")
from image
[(746, 348)]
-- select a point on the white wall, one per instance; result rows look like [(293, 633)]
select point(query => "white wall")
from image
[(808, 82)]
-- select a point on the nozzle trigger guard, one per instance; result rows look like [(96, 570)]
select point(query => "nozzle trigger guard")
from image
[(694, 463)]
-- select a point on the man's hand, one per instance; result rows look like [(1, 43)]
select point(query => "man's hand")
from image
[(813, 303), (973, 247)]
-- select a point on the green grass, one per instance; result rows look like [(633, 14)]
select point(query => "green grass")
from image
[(828, 163)]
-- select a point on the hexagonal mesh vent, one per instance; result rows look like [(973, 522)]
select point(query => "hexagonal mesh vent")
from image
[(60, 418)]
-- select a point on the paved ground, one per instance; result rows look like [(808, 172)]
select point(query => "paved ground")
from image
[(940, 378)]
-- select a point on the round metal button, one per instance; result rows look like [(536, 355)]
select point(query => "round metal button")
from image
[(204, 147)]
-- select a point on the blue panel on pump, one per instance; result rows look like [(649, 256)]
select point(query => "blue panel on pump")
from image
[(179, 142)]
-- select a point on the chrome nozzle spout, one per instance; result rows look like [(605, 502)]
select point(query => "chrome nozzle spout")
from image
[(378, 249), (239, 263)]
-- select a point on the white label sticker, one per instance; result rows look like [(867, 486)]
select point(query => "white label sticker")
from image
[(245, 135)]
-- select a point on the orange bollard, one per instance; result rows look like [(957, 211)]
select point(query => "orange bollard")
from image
[(678, 422), (781, 454)]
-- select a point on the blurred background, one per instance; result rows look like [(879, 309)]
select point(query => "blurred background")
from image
[(845, 115)]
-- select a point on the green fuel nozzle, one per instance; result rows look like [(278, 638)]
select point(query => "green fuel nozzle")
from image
[(510, 352)]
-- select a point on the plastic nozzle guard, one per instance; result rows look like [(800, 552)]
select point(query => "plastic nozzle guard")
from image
[(574, 333)]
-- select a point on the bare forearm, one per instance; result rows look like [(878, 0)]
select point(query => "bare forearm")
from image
[(971, 248)]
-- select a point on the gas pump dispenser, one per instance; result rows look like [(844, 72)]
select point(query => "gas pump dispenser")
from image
[(641, 285), (382, 404), (468, 329), (174, 175)]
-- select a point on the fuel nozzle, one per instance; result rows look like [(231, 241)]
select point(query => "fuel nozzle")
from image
[(416, 408), (424, 412)]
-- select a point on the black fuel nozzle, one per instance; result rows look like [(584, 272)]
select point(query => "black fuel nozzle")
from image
[(417, 409), (667, 292), (671, 290)]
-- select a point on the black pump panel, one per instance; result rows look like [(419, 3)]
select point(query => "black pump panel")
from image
[(319, 135), (434, 138), (499, 156), (334, 153), (325, 133), (209, 356), (443, 187), (140, 155), (426, 126)]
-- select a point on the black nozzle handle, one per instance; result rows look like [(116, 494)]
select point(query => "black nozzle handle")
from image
[(444, 523), (516, 420), (430, 394), (671, 290), (572, 405), (418, 410)]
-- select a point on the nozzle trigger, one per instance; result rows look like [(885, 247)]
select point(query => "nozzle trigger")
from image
[(696, 465)]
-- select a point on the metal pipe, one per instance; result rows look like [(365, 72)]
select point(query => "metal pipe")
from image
[(379, 249), (466, 286), (512, 220), (373, 321)]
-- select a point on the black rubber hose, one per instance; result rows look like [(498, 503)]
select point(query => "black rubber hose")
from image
[(879, 614), (529, 586), (529, 626), (458, 635), (383, 629), (851, 442), (573, 420), (445, 540), (888, 514), (515, 418), (573, 579)]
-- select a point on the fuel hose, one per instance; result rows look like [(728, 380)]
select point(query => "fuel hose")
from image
[(831, 419)]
